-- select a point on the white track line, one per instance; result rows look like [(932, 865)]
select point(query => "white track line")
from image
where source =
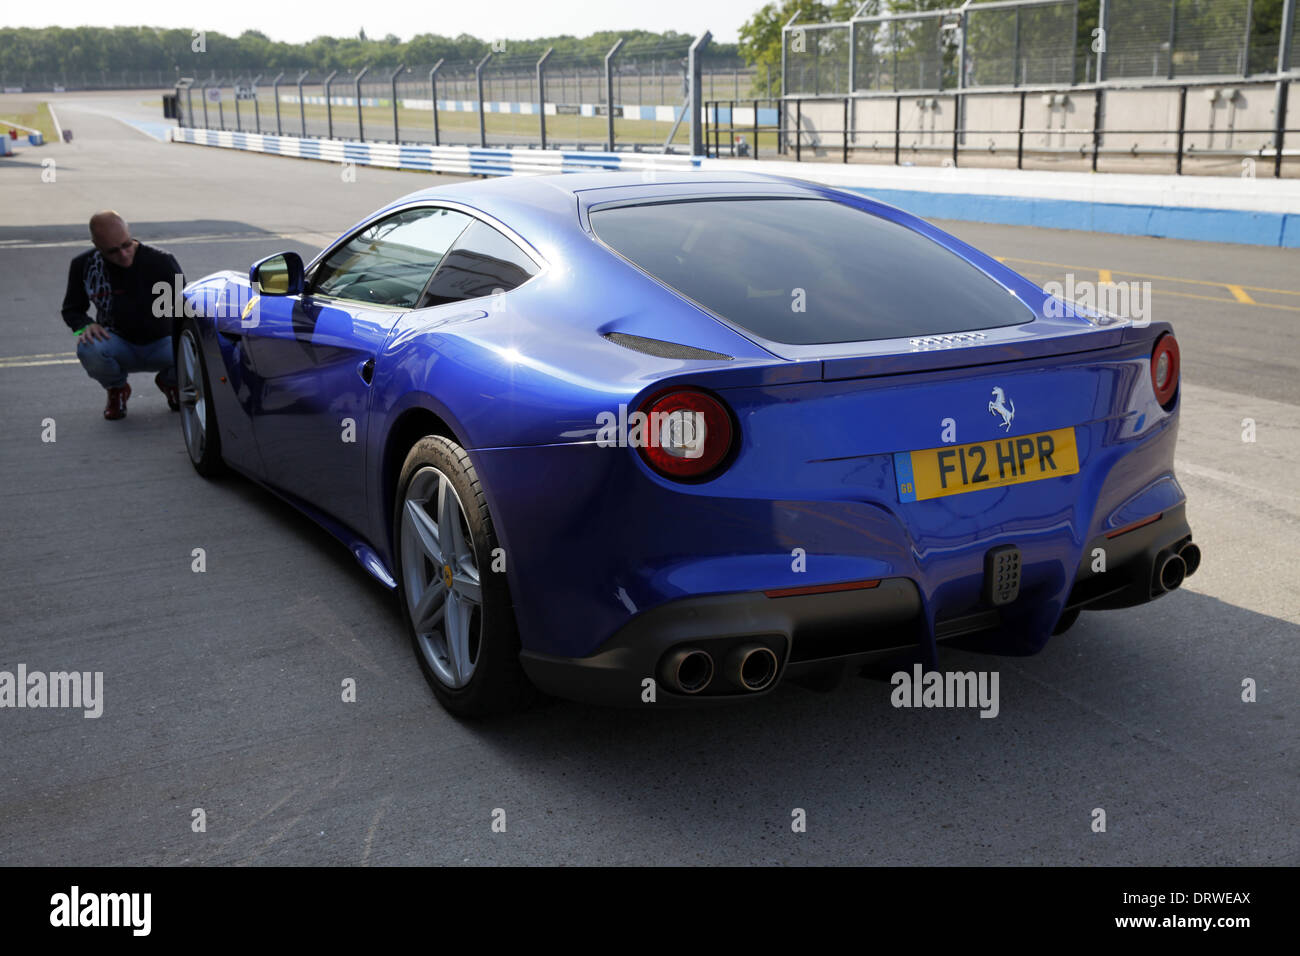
[(71, 361), (6, 122), (318, 239)]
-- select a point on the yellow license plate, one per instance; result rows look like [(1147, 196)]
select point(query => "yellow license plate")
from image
[(935, 472)]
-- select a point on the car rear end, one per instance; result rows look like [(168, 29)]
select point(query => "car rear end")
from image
[(944, 454)]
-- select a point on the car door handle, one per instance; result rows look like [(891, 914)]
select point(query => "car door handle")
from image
[(367, 370)]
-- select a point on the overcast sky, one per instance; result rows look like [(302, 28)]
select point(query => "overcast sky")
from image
[(486, 19)]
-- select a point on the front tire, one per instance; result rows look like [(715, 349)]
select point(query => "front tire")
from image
[(198, 413), (457, 608)]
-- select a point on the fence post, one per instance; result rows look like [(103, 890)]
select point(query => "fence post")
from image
[(1280, 98), (898, 127), (785, 43), (1173, 31), (1182, 122), (961, 50), (845, 137), (397, 138), (956, 124), (1103, 23), (541, 93), (433, 91), (239, 126), (1279, 133), (1096, 126), (1015, 59), (478, 79), (1245, 41), (893, 42), (798, 131), (853, 55), (189, 101), (221, 109), (329, 106), (361, 130), (756, 129), (1020, 134), (609, 93), (257, 111), (302, 108), (697, 92), (275, 92), (1074, 47)]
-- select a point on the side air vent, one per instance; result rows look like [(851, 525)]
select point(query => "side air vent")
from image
[(662, 349)]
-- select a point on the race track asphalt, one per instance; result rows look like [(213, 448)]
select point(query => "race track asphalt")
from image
[(222, 689)]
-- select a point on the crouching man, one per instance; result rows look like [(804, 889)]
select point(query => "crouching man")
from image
[(119, 276)]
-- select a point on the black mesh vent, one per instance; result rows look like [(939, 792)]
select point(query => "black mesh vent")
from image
[(662, 349)]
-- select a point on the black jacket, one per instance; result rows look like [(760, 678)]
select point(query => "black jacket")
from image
[(125, 299)]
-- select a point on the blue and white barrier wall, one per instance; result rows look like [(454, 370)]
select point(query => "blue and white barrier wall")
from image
[(1263, 212), (466, 160)]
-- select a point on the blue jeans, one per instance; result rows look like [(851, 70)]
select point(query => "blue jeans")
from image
[(108, 362)]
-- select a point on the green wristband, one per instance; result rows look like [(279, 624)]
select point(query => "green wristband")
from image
[(82, 329)]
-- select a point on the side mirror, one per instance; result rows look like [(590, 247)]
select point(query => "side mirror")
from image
[(280, 274)]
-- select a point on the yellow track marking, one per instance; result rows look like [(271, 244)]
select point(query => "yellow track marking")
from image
[(1189, 295), (1143, 275)]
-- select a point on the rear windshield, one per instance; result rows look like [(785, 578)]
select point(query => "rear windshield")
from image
[(807, 271)]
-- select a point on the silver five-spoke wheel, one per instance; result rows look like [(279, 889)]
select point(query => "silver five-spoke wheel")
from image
[(189, 382), (444, 597)]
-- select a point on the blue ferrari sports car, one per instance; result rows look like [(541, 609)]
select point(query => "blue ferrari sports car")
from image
[(679, 438)]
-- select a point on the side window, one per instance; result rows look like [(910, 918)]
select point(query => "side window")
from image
[(389, 262), (482, 262)]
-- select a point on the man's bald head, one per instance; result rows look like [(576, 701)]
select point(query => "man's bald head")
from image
[(112, 237), (105, 219)]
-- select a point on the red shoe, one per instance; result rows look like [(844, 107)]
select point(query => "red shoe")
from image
[(116, 407), (173, 396)]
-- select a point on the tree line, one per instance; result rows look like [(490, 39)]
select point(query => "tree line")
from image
[(179, 52)]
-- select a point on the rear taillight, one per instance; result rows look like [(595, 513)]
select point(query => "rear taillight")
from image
[(1164, 368), (688, 434)]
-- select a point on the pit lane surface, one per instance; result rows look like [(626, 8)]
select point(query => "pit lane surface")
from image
[(222, 690)]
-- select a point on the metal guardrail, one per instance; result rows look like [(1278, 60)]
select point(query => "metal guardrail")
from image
[(549, 101), (726, 137), (983, 43)]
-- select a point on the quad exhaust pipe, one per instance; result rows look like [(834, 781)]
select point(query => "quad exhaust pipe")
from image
[(1173, 568), (1170, 573), (751, 667), (687, 670)]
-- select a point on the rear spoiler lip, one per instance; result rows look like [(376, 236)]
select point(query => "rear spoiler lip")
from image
[(968, 356), (757, 373)]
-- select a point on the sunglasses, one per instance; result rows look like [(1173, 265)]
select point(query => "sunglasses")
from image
[(117, 250)]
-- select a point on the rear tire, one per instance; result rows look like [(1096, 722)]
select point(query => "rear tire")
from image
[(198, 412), (457, 609)]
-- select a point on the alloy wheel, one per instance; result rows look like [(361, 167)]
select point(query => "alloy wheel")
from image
[(444, 596)]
